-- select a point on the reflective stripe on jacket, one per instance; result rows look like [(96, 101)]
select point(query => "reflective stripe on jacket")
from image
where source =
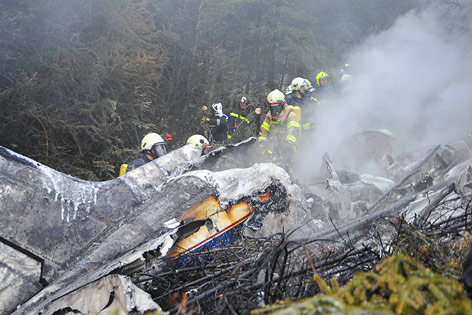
[(236, 117), (286, 128)]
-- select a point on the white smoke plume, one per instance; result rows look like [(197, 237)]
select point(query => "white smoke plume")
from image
[(414, 79)]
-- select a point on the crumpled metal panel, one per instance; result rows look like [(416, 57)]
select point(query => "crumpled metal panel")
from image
[(114, 294), (132, 210), (120, 245), (62, 219), (19, 278), (56, 216)]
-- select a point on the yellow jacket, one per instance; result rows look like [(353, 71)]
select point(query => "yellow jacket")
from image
[(285, 129)]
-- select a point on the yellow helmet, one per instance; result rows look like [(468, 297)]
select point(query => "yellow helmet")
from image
[(322, 75)]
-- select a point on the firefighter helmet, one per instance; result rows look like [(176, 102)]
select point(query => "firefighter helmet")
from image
[(276, 101), (322, 75), (217, 109), (276, 97), (198, 140), (154, 143), (297, 83)]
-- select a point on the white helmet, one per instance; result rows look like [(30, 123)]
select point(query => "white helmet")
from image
[(199, 141), (154, 143), (217, 109), (297, 83)]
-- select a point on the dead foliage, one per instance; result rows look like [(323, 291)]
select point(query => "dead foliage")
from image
[(254, 272)]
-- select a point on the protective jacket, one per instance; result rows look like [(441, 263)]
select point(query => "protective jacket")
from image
[(292, 99), (218, 127), (322, 92), (125, 168), (237, 117), (286, 128), (308, 105)]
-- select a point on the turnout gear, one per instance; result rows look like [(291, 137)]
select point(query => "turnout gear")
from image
[(323, 86), (304, 104), (304, 100), (281, 125), (199, 141), (238, 116), (153, 146), (310, 105), (125, 168), (218, 123), (292, 99), (296, 94)]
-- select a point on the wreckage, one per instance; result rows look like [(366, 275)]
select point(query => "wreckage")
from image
[(64, 240)]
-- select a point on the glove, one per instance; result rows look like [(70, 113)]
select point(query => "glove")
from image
[(205, 119)]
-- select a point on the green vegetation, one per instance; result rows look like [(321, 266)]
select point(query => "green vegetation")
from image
[(81, 82), (400, 285)]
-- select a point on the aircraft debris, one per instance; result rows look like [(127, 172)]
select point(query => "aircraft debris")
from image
[(269, 234)]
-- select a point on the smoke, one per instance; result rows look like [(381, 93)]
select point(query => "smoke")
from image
[(414, 79)]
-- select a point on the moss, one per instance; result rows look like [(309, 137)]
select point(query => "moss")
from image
[(400, 285), (440, 254)]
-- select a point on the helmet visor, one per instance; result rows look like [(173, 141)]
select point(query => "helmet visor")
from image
[(159, 149)]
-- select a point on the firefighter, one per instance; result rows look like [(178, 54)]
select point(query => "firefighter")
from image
[(152, 147), (201, 142), (323, 85), (322, 79), (218, 123), (238, 117), (280, 128), (301, 94), (296, 93)]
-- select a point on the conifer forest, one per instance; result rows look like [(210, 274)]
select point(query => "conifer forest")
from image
[(81, 82)]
